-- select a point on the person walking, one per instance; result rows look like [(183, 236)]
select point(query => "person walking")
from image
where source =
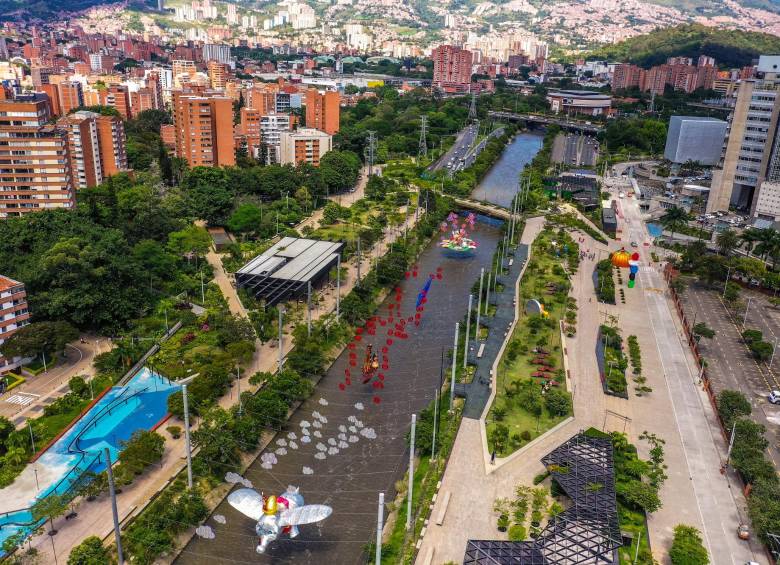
[(493, 457)]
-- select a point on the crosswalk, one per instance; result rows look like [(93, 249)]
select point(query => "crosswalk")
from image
[(21, 400)]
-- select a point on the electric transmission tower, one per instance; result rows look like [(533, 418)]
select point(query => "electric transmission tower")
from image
[(473, 107), (371, 152), (422, 147)]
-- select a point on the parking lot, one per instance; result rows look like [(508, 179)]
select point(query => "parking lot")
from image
[(729, 362)]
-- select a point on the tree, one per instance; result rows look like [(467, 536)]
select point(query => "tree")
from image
[(90, 552), (190, 239), (675, 219), (218, 448), (245, 219), (339, 170), (79, 386), (687, 547), (557, 402), (768, 246), (39, 338), (639, 494), (141, 450), (209, 194), (732, 404), (761, 350), (727, 241), (703, 330), (49, 508)]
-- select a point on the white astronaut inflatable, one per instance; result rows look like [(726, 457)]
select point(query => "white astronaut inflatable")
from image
[(277, 514)]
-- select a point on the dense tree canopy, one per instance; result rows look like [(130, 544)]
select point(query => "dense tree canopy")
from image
[(38, 338)]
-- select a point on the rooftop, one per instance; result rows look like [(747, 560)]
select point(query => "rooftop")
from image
[(8, 284)]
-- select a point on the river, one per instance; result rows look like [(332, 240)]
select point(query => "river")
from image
[(362, 449), (501, 183)]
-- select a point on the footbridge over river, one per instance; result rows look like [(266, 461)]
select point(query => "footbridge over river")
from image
[(485, 208), (567, 124)]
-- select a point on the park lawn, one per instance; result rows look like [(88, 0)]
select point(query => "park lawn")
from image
[(516, 367), (632, 522)]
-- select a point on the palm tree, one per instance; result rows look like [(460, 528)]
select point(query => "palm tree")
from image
[(749, 238), (727, 241), (674, 219), (769, 245)]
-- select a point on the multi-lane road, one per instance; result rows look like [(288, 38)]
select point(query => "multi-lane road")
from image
[(458, 151), (575, 150)]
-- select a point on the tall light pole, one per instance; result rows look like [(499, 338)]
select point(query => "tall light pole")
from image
[(380, 516), (114, 512), (728, 277), (744, 320), (468, 331), (479, 301), (411, 475), (188, 445), (454, 361)]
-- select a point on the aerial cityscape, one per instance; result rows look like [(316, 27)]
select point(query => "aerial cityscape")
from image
[(360, 281)]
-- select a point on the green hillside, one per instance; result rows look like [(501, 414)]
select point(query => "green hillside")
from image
[(48, 9), (731, 48)]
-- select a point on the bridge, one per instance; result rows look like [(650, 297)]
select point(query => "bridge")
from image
[(577, 125), (485, 208)]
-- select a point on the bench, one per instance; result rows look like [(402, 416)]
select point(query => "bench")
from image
[(481, 350), (443, 510)]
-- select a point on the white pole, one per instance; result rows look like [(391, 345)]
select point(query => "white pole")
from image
[(468, 331), (281, 338), (380, 516), (202, 290), (487, 295), (45, 369), (479, 301), (308, 308), (338, 286), (411, 475), (359, 260), (744, 320), (32, 438), (115, 513), (187, 446), (435, 422), (731, 442), (454, 359), (238, 381), (773, 355)]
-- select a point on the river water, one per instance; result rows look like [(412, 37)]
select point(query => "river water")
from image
[(501, 183), (362, 448)]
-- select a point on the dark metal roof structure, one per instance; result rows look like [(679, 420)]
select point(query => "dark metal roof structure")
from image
[(587, 532), (285, 270)]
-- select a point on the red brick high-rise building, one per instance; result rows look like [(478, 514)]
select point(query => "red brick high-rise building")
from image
[(96, 146), (323, 110), (628, 76), (14, 314), (451, 66), (36, 171), (204, 129)]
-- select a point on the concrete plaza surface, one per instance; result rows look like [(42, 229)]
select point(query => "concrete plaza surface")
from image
[(677, 410)]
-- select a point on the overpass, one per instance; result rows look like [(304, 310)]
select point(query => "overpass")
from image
[(542, 119)]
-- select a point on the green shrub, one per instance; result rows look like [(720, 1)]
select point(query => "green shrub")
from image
[(540, 477), (687, 547), (517, 533)]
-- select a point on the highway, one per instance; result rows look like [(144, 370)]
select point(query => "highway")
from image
[(459, 150)]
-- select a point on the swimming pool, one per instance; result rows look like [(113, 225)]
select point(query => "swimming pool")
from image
[(141, 404), (655, 229)]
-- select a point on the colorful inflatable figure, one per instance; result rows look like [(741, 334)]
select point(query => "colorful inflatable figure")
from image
[(277, 514), (458, 243)]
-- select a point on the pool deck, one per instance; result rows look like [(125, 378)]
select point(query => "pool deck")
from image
[(107, 421)]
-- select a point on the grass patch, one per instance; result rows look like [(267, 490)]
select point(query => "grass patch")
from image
[(520, 411), (615, 363)]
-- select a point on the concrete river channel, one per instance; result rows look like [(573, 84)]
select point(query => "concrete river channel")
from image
[(360, 448)]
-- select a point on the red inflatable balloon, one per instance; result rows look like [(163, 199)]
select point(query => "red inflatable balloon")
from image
[(342, 386), (377, 400)]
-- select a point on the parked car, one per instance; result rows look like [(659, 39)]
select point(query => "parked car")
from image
[(743, 532), (774, 397)]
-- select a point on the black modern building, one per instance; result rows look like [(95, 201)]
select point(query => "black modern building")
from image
[(587, 532), (286, 270)]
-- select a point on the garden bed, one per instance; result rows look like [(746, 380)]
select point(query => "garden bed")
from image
[(612, 362), (534, 354)]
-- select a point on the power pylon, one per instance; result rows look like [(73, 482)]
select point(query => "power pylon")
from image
[(371, 151), (422, 147), (473, 107)]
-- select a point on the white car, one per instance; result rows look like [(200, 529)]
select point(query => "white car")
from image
[(774, 397)]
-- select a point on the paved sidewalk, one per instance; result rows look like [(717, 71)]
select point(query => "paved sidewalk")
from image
[(29, 399)]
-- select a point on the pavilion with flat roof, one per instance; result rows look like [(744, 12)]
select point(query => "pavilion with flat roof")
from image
[(286, 270)]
